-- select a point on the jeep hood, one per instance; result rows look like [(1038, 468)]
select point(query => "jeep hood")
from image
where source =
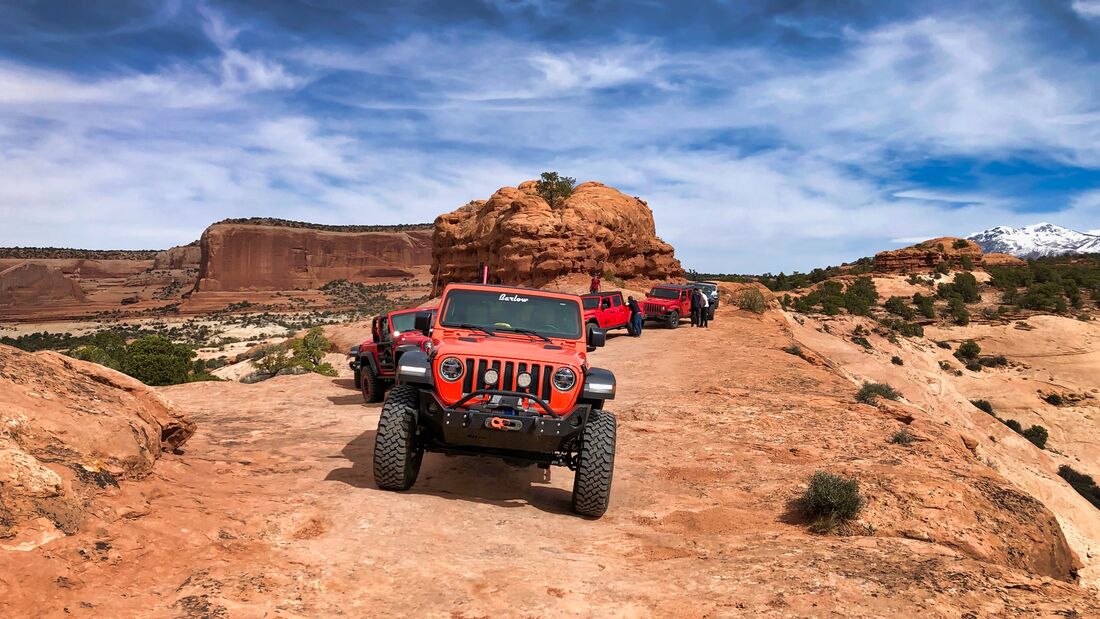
[(518, 348)]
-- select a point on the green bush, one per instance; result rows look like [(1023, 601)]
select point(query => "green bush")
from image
[(896, 360), (1053, 399), (1037, 435), (860, 296), (973, 365), (903, 437), (751, 300), (1013, 425), (793, 349), (983, 405), (960, 244), (900, 307), (555, 188), (956, 308), (156, 360), (994, 361), (831, 500), (870, 392), (964, 286), (862, 341), (968, 350), (943, 344), (966, 263), (1082, 483), (925, 305)]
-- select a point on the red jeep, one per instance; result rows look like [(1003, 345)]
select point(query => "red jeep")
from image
[(606, 310), (374, 360), (668, 304), (507, 376)]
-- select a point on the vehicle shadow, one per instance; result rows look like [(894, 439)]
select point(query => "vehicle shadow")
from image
[(461, 478), (344, 383)]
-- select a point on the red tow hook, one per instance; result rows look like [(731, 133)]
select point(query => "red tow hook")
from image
[(500, 423)]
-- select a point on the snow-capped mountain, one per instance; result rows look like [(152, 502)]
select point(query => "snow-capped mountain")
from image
[(1036, 241)]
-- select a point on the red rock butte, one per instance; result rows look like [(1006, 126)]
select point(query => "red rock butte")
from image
[(927, 255), (275, 255), (524, 241)]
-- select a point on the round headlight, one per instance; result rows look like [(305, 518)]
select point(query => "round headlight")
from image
[(523, 381), (427, 346), (450, 369), (491, 376), (564, 379)]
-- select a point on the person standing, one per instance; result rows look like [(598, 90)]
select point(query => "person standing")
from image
[(635, 316), (695, 307), (704, 310), (594, 285)]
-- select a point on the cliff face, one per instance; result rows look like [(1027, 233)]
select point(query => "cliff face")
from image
[(178, 258), (525, 242), (34, 284), (927, 255), (241, 256)]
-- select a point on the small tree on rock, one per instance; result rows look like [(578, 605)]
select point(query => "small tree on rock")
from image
[(554, 188)]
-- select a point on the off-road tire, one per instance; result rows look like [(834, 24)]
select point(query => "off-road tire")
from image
[(359, 379), (710, 313), (630, 328), (588, 331), (397, 455), (372, 386), (595, 465), (674, 319)]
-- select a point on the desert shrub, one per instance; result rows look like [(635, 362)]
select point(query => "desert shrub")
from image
[(751, 300), (994, 361), (306, 353), (1053, 399), (793, 349), (273, 360), (964, 286), (1044, 297), (943, 268), (973, 365), (555, 188), (945, 366), (1082, 483), (915, 280), (860, 296), (908, 329), (966, 263), (1037, 435), (968, 350), (215, 363), (900, 307), (862, 341), (831, 500), (1013, 425), (983, 405), (896, 360), (156, 360), (903, 437), (960, 244), (943, 344), (870, 392), (956, 308), (925, 305)]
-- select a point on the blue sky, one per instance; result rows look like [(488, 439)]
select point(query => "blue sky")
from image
[(766, 136)]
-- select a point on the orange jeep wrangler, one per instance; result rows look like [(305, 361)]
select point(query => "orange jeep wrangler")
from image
[(508, 377)]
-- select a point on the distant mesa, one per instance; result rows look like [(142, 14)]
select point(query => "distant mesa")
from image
[(275, 254), (31, 283), (1036, 241), (523, 241), (931, 253)]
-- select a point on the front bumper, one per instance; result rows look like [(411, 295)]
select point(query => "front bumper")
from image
[(501, 427)]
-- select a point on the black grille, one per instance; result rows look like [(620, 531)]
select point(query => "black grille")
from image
[(509, 372)]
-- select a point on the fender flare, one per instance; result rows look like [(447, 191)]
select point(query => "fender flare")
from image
[(599, 384), (414, 368)]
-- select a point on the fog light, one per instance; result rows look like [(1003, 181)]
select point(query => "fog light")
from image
[(491, 377), (523, 381)]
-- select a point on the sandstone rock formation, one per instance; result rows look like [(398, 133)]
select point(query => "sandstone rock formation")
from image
[(32, 283), (70, 428), (178, 258), (995, 259), (525, 242), (273, 255), (927, 255)]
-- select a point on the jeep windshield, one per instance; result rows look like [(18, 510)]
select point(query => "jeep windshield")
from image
[(707, 288), (591, 302), (403, 322), (665, 293), (512, 312)]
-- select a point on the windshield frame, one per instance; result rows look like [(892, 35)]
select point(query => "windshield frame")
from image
[(501, 301), (594, 300), (396, 316)]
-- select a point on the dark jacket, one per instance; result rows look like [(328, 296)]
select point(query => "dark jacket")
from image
[(634, 309), (696, 302)]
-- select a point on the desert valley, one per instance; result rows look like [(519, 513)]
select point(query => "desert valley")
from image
[(957, 388)]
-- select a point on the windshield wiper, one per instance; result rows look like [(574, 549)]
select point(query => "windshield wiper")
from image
[(526, 332), (485, 330)]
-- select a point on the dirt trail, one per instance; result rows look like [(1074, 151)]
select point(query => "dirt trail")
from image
[(272, 510)]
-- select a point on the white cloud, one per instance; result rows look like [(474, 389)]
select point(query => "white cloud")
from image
[(1087, 8)]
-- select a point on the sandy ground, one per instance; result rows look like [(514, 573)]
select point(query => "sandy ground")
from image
[(271, 511)]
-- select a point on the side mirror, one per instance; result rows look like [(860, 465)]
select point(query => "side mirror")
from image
[(597, 337), (423, 322)]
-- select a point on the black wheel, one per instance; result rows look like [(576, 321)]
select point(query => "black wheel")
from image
[(358, 379), (397, 455), (674, 319), (588, 331), (710, 313), (595, 465), (630, 328), (372, 386)]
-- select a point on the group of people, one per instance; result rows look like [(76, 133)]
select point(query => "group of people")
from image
[(700, 309)]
